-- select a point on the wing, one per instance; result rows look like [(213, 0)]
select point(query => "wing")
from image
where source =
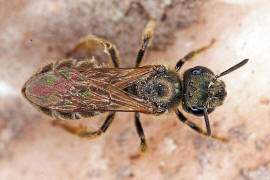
[(94, 89)]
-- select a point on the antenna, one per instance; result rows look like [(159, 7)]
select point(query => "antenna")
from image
[(206, 119), (231, 69)]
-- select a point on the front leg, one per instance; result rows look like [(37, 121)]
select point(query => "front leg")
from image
[(195, 127), (192, 54)]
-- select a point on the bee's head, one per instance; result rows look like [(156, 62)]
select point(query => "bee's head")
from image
[(216, 88)]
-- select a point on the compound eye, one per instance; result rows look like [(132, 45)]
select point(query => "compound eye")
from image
[(197, 71), (198, 111), (195, 108)]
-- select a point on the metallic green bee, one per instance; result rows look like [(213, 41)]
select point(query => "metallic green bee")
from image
[(72, 89)]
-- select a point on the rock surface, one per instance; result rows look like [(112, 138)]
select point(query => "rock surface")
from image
[(33, 33)]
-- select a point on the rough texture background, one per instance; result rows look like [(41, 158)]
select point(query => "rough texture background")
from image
[(33, 33)]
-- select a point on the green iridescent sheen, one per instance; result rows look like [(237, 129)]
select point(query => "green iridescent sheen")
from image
[(50, 79)]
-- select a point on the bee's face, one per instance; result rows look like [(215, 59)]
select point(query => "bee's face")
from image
[(216, 94), (200, 92)]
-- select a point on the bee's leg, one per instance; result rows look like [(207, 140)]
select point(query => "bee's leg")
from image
[(83, 132), (147, 37), (143, 145), (95, 43), (192, 54), (195, 127), (142, 10)]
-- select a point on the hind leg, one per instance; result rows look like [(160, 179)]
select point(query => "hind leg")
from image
[(93, 43), (83, 132)]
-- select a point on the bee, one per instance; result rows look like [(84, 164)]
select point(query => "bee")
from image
[(70, 89)]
